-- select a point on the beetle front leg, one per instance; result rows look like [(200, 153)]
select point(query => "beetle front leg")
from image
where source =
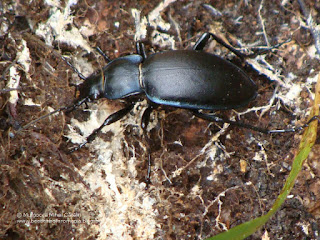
[(144, 124), (111, 119)]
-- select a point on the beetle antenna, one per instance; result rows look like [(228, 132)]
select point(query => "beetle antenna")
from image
[(54, 52), (74, 68), (65, 108), (103, 54), (43, 117)]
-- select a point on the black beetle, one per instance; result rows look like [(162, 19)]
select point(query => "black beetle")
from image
[(189, 79)]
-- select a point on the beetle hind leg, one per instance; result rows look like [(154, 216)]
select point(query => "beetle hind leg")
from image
[(214, 118), (202, 41), (200, 44)]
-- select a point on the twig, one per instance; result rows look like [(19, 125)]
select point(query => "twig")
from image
[(312, 25)]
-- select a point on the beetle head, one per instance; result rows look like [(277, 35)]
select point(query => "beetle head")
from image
[(91, 88)]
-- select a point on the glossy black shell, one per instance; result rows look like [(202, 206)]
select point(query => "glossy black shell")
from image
[(195, 80), (121, 77)]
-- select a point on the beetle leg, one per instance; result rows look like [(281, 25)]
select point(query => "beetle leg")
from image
[(265, 50), (226, 45), (204, 39), (144, 124), (214, 118), (141, 50), (114, 117), (294, 129), (146, 116)]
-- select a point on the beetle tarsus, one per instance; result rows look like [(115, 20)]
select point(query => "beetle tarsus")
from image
[(296, 129)]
